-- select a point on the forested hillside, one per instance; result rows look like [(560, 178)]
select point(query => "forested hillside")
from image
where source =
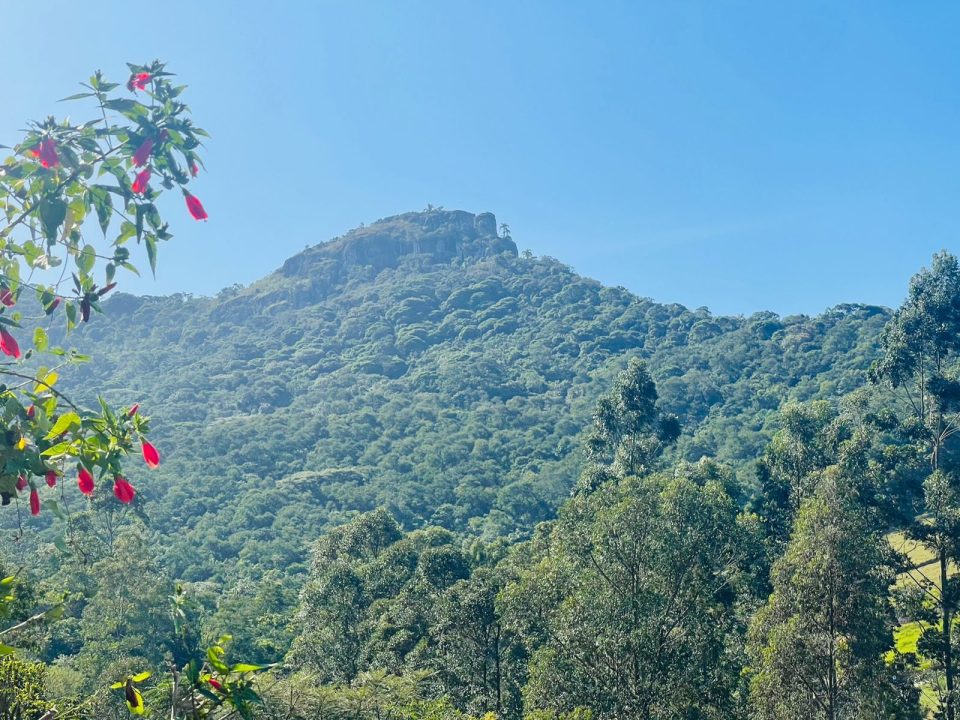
[(364, 458), (423, 365)]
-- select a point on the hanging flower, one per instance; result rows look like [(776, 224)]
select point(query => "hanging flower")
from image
[(31, 411), (85, 481), (8, 344), (194, 170), (195, 206), (140, 184), (34, 502), (138, 81), (21, 483), (142, 153), (51, 478), (46, 153), (123, 490), (6, 297), (150, 455)]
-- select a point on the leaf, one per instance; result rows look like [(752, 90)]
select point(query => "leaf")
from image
[(71, 311), (40, 340), (247, 667), (152, 253), (140, 677), (63, 423), (213, 657), (53, 211), (103, 203), (48, 382), (58, 449), (87, 259), (78, 96), (55, 507), (6, 650)]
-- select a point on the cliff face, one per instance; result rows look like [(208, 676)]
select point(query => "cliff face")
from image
[(436, 236)]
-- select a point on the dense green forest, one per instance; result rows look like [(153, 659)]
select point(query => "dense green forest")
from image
[(431, 476)]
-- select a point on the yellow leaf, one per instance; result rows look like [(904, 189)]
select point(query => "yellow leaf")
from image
[(21, 443), (136, 706), (48, 382)]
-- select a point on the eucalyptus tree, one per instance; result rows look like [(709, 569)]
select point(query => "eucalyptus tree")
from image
[(629, 431), (634, 605), (920, 361), (818, 644)]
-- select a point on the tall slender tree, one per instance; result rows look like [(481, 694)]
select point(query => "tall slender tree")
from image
[(629, 431), (819, 642), (920, 361)]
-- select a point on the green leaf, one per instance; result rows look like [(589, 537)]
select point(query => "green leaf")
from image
[(103, 203), (40, 340), (63, 423), (247, 667), (213, 657), (87, 259), (78, 96), (58, 449), (55, 507), (53, 211), (152, 253), (71, 311)]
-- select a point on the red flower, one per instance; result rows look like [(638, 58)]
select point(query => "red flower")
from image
[(85, 481), (34, 502), (140, 184), (138, 81), (133, 410), (123, 490), (142, 153), (194, 170), (6, 297), (46, 152), (150, 455), (51, 478), (8, 344), (31, 411), (55, 303), (215, 685), (21, 483), (195, 206)]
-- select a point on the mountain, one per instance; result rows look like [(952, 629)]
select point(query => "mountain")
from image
[(421, 363)]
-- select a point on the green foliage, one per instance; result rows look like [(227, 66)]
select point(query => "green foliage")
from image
[(633, 605), (820, 640), (418, 364), (22, 691), (49, 186)]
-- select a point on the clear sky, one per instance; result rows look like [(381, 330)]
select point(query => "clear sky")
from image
[(738, 155)]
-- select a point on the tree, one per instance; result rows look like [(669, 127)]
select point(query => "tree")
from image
[(64, 184), (629, 432), (819, 642), (919, 361), (632, 608), (473, 654)]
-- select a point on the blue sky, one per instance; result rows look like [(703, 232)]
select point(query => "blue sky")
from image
[(738, 155)]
